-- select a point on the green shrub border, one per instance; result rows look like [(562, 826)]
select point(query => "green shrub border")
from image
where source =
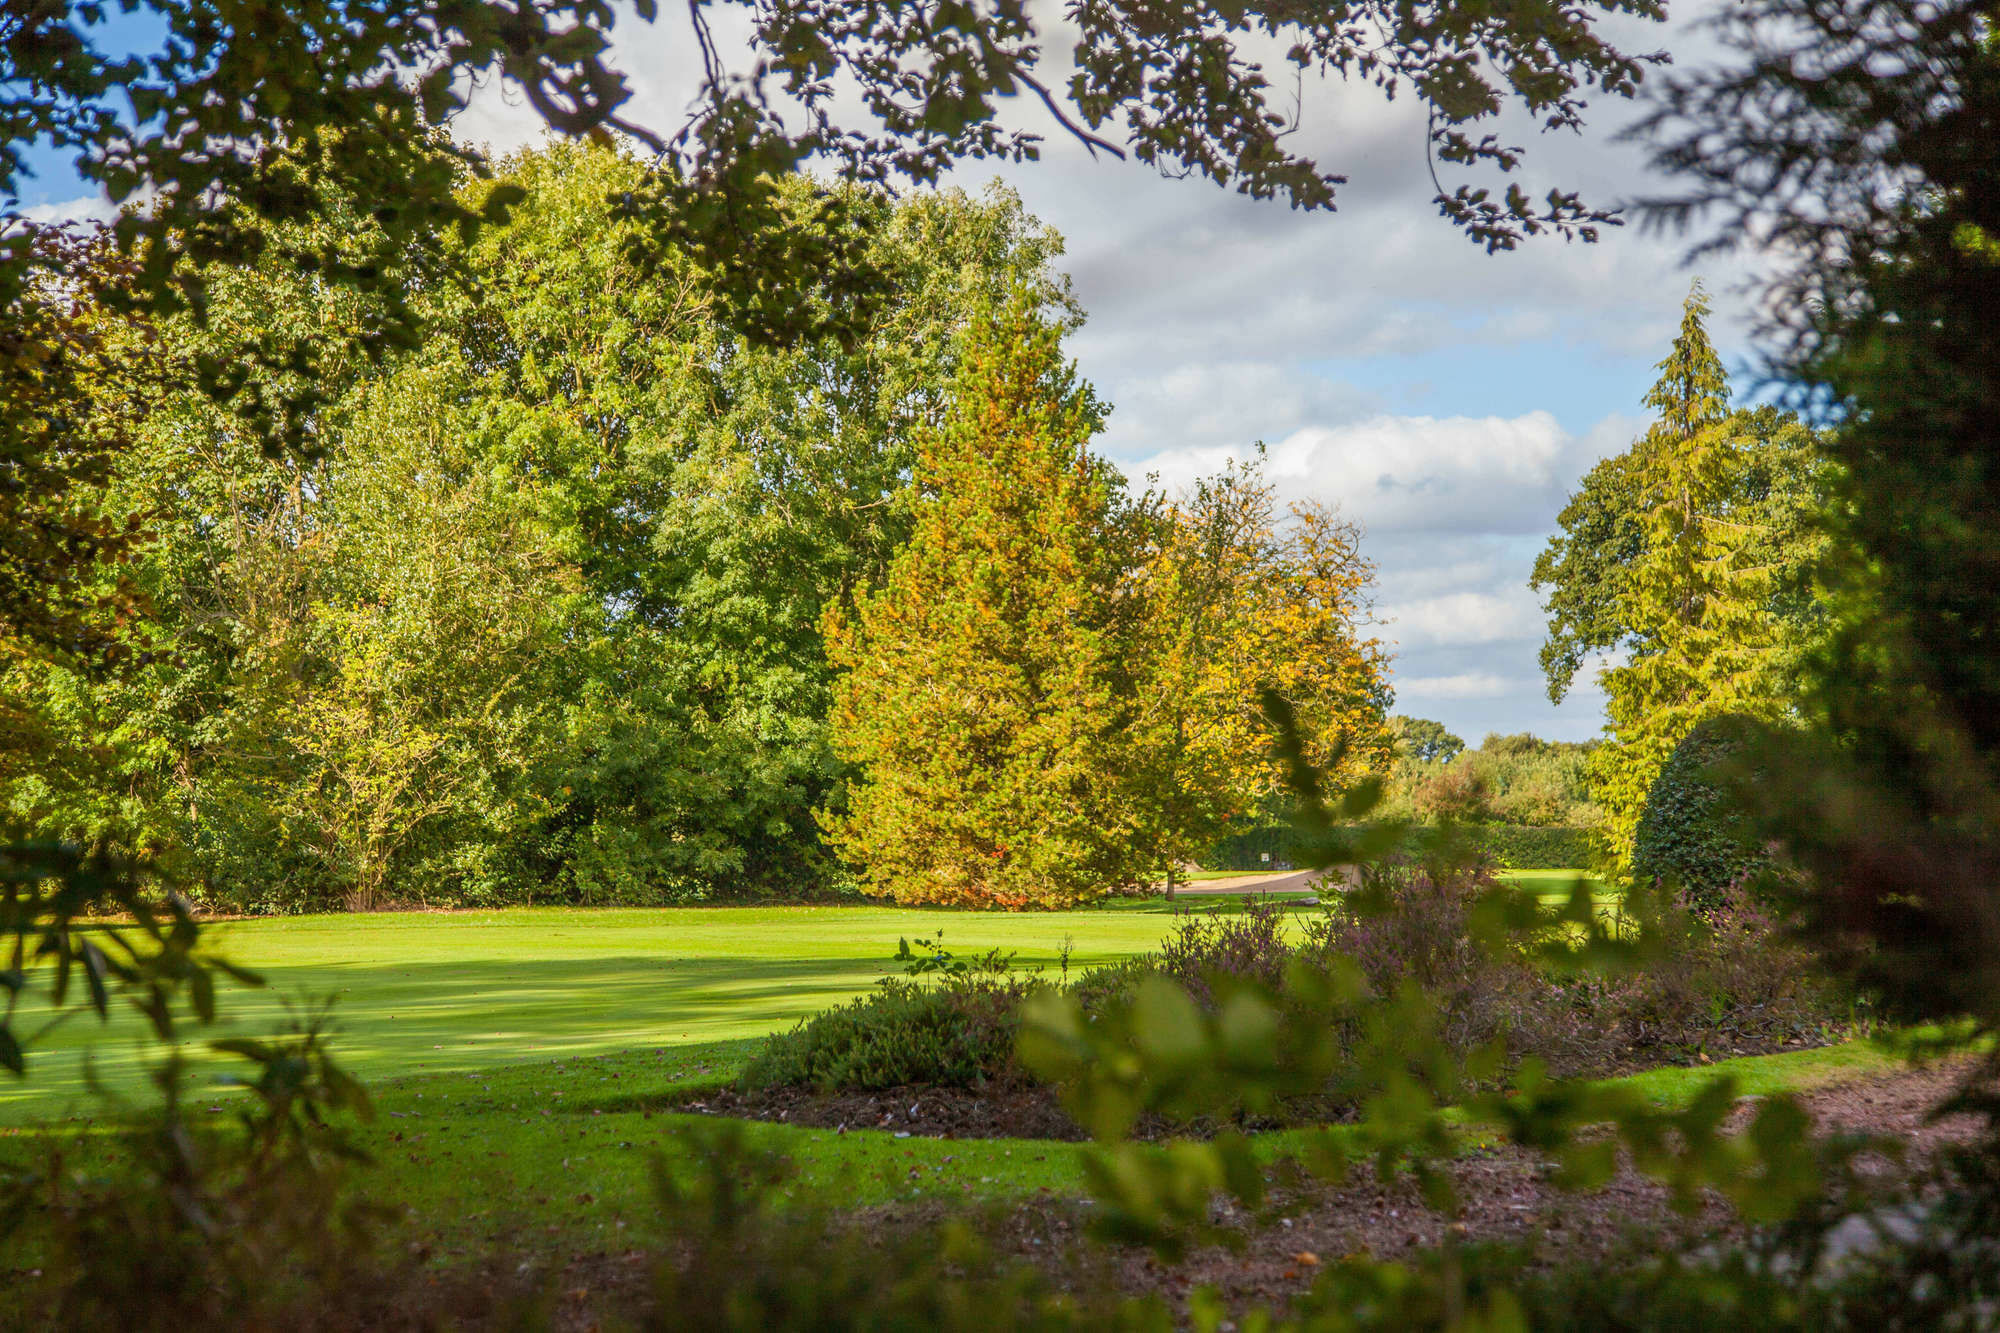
[(1512, 846)]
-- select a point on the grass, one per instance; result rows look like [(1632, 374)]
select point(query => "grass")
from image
[(465, 991), (522, 1061), (434, 992)]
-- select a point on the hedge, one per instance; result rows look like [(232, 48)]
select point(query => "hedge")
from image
[(1512, 846), (1689, 837)]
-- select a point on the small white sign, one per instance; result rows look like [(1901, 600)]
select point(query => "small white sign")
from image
[(1266, 856)]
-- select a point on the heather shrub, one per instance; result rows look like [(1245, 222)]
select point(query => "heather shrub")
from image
[(956, 1033), (1205, 947), (1416, 927), (1722, 980), (1728, 978)]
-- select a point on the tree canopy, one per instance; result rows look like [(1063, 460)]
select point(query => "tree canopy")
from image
[(1856, 142), (1690, 561)]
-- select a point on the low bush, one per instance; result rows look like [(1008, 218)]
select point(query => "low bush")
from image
[(956, 1033), (1725, 979), (1419, 930)]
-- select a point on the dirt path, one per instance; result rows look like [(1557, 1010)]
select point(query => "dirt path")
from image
[(1283, 881)]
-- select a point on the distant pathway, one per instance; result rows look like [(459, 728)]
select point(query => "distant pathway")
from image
[(1293, 881)]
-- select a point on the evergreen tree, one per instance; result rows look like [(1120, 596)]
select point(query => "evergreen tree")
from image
[(1697, 602), (980, 694)]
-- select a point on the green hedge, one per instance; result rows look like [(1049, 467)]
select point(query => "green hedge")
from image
[(1524, 847), (1689, 836), (1513, 846)]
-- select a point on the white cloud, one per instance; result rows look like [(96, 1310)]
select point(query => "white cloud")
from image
[(84, 208), (1467, 685), (1462, 618), (1421, 474)]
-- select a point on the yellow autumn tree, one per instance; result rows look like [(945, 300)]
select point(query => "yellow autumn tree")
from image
[(979, 698), (1233, 598)]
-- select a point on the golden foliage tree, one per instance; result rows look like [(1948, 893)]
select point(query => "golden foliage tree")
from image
[(1233, 601), (979, 698)]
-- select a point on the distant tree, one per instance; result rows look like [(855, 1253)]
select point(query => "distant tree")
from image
[(1457, 793), (1230, 599), (1703, 581), (1513, 746), (679, 508), (1777, 489), (979, 699), (1425, 741), (1701, 609)]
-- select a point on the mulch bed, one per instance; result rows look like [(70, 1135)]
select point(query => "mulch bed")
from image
[(1506, 1195), (997, 1111)]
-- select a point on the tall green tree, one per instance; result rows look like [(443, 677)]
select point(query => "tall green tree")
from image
[(979, 698), (1690, 558)]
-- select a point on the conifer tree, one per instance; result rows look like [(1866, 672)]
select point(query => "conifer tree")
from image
[(979, 700), (1697, 603)]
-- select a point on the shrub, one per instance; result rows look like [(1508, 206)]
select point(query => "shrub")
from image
[(958, 1033), (1729, 978), (1521, 847), (1688, 836), (1203, 947), (1725, 978), (232, 1226), (1420, 931)]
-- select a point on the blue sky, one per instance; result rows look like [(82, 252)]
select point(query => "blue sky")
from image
[(1447, 399)]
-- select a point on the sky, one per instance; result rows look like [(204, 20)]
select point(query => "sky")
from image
[(1446, 399)]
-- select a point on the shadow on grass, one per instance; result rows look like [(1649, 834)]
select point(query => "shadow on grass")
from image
[(409, 1018)]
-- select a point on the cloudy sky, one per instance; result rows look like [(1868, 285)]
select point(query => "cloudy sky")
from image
[(1448, 399)]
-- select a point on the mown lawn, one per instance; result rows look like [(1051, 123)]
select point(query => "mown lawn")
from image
[(521, 1061), (437, 992), (429, 992)]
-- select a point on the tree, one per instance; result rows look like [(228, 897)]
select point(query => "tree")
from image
[(1701, 583), (978, 698), (1585, 572), (1226, 602), (1425, 741), (650, 515), (1856, 142)]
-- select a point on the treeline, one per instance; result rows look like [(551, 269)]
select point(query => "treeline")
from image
[(1516, 779), (1518, 799), (537, 611)]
